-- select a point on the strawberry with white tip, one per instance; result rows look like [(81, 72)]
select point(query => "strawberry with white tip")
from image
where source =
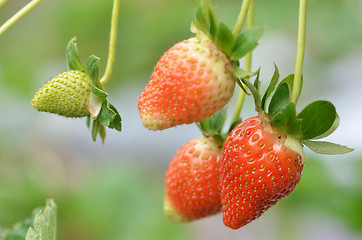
[(196, 77)]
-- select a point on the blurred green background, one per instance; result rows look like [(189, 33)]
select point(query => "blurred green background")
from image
[(115, 190)]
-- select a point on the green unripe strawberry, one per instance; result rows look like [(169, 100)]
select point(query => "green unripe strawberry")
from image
[(67, 94)]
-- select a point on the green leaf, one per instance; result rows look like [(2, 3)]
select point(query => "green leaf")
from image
[(224, 39), (45, 224), (323, 147), (241, 73), (202, 16), (317, 119), (95, 129), (93, 70), (73, 58), (331, 130), (280, 99), (99, 92), (246, 42), (257, 81), (117, 121), (89, 121), (94, 104), (290, 80), (271, 87), (213, 23), (213, 125), (102, 133), (286, 120), (107, 115)]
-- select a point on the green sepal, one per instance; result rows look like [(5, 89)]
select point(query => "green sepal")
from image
[(257, 81), (73, 59), (93, 70), (246, 42), (331, 130), (286, 121), (117, 121), (280, 99), (241, 73), (89, 121), (102, 133), (290, 80), (95, 129), (94, 104), (213, 22), (255, 93), (224, 39), (99, 92), (323, 147), (107, 115), (271, 87), (213, 125), (202, 17), (317, 118), (241, 85)]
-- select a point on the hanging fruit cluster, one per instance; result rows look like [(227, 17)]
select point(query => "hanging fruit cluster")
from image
[(244, 171)]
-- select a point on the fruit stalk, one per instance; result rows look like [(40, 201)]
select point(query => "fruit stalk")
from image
[(112, 43), (248, 60), (297, 85), (11, 21), (241, 18)]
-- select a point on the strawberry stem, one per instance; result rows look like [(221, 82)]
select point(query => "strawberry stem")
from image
[(248, 60), (241, 18), (112, 43), (18, 15), (297, 85)]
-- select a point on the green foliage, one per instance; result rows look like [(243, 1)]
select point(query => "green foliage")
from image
[(73, 59), (45, 224), (246, 42), (40, 226), (221, 35), (273, 82), (213, 125), (103, 113), (324, 147), (317, 118)]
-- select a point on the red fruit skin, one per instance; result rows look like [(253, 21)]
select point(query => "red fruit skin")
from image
[(258, 171), (193, 180), (191, 81)]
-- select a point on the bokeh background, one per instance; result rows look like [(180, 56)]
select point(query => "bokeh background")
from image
[(115, 190)]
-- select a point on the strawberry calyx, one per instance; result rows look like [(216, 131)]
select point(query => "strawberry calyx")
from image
[(234, 47), (212, 127), (102, 113), (317, 120)]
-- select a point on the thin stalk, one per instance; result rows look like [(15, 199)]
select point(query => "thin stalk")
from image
[(241, 18), (112, 43), (11, 21), (248, 60), (297, 85)]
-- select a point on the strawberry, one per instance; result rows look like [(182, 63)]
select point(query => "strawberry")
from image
[(66, 94), (258, 170), (193, 181), (190, 82)]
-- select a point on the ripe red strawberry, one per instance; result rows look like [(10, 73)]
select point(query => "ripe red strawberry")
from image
[(258, 170), (193, 181), (66, 94), (191, 81)]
